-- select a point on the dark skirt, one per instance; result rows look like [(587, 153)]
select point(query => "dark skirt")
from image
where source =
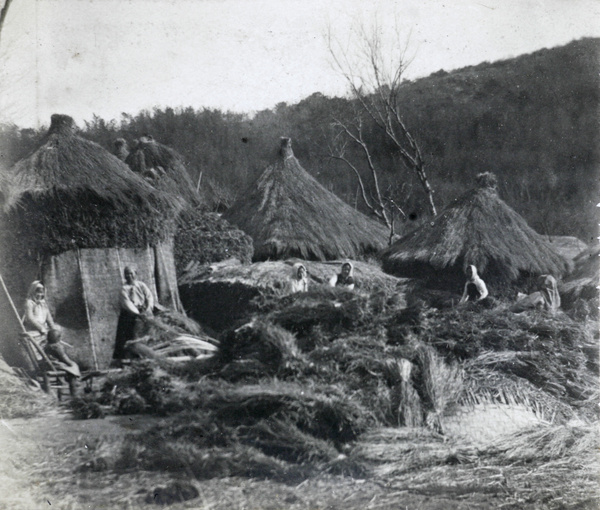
[(126, 330)]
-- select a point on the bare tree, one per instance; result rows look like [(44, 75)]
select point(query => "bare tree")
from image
[(374, 76), (379, 202)]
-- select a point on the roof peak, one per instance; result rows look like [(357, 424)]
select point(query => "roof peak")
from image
[(487, 180), (286, 147), (61, 124)]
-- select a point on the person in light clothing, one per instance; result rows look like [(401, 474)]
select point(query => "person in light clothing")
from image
[(475, 288), (136, 302), (299, 278)]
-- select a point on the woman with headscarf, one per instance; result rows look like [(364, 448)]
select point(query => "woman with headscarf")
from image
[(345, 278), (299, 278), (547, 298), (38, 319), (41, 328), (475, 288)]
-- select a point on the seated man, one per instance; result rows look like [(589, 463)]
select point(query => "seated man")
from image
[(136, 302)]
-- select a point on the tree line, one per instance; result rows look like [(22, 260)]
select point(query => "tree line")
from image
[(532, 120)]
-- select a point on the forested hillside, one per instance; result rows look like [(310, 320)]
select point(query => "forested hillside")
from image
[(533, 120)]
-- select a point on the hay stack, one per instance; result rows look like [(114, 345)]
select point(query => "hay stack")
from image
[(479, 229), (220, 294), (289, 214), (584, 281), (568, 246)]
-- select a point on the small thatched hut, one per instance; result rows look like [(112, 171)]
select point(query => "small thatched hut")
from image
[(289, 214), (201, 236), (73, 215), (164, 169), (121, 149), (480, 229)]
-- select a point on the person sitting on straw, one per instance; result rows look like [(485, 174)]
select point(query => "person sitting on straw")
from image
[(136, 302), (41, 328), (345, 278), (299, 278), (547, 298), (475, 288)]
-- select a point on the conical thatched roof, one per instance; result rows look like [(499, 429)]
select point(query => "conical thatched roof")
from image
[(72, 193), (164, 169), (289, 214), (480, 229)]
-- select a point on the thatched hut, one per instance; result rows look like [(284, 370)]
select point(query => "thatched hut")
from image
[(164, 168), (73, 215), (289, 214), (480, 229), (121, 149), (202, 236)]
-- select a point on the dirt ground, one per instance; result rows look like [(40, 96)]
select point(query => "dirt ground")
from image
[(52, 462)]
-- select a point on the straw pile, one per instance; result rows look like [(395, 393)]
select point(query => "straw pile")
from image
[(204, 238), (579, 291), (18, 399), (220, 294)]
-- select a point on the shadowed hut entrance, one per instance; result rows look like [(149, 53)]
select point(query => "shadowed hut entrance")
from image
[(73, 216)]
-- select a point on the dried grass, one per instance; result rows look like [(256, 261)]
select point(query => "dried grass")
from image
[(289, 214), (480, 229)]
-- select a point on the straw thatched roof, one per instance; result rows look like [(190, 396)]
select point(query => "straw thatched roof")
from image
[(164, 168), (480, 229), (584, 281), (72, 193), (289, 214), (567, 246)]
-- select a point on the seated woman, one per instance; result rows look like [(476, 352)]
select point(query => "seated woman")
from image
[(41, 328), (547, 298), (345, 278), (136, 302), (475, 288), (299, 278)]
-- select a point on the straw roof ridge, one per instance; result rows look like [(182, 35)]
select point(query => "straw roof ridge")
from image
[(480, 229), (71, 192), (287, 212), (164, 168)]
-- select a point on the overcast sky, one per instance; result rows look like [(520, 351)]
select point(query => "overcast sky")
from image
[(81, 57)]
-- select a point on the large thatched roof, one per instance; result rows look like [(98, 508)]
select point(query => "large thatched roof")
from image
[(288, 213), (72, 193), (480, 229), (164, 169)]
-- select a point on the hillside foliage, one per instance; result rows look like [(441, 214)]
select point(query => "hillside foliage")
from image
[(532, 120)]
